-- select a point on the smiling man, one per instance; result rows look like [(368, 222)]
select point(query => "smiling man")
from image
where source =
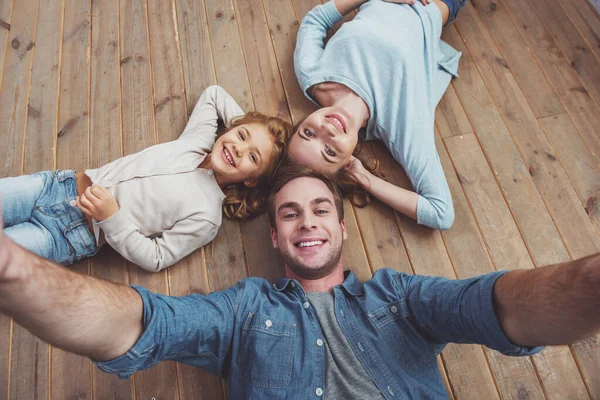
[(317, 333)]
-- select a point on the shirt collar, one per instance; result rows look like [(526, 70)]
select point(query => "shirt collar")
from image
[(351, 284)]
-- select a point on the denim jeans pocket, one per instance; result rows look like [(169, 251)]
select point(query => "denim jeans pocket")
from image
[(268, 345), (406, 343)]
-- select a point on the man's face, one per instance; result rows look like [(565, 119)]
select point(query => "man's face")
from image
[(309, 234)]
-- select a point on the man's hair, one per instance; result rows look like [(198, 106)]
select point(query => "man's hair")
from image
[(289, 171)]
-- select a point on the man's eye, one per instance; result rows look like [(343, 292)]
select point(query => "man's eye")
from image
[(330, 152), (290, 215), (322, 212), (241, 135), (308, 133)]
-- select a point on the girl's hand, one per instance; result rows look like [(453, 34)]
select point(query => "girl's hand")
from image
[(97, 203), (411, 2), (359, 172)]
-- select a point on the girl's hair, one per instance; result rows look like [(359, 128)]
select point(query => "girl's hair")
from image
[(243, 202)]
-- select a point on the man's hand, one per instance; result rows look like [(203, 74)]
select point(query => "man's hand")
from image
[(359, 172), (411, 2), (98, 203)]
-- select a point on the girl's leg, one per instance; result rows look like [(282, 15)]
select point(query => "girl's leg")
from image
[(32, 237), (20, 194)]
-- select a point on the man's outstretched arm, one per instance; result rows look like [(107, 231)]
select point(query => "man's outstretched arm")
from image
[(553, 305), (77, 313)]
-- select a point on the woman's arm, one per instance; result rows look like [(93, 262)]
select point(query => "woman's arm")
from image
[(402, 200)]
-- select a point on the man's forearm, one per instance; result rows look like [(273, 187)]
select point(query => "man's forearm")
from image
[(345, 6), (552, 305), (78, 313)]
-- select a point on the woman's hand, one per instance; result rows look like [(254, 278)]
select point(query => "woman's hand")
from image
[(424, 2), (98, 203), (359, 172)]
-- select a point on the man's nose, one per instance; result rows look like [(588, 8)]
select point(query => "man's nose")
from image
[(307, 221)]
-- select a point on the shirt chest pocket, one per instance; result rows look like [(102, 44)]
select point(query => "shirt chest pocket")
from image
[(393, 323), (268, 351)]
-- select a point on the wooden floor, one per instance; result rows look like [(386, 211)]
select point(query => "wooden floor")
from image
[(83, 83)]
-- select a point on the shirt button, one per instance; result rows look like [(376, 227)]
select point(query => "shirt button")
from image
[(293, 285), (268, 323), (306, 304), (319, 342), (209, 172), (394, 309), (319, 392)]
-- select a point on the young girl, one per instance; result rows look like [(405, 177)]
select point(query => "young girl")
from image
[(385, 71), (157, 206)]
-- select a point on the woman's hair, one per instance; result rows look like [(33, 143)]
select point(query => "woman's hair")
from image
[(243, 202), (348, 186)]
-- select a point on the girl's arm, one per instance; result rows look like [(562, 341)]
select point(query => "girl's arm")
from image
[(214, 104), (156, 254)]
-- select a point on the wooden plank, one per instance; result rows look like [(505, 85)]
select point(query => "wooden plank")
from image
[(428, 256), (382, 240), (105, 146), (578, 161), (514, 375), (5, 322), (170, 115), (196, 54), (136, 77), (190, 274), (169, 95), (5, 15), (30, 355), (227, 51), (15, 88), (572, 44), (532, 81), (587, 21), (70, 374), (576, 99), (261, 64), (304, 6), (283, 25), (529, 210), (549, 176), (450, 118)]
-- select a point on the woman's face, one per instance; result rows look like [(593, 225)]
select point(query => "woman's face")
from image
[(325, 140)]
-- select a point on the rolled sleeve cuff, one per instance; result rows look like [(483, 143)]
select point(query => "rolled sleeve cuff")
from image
[(332, 13), (115, 224), (497, 339), (138, 356)]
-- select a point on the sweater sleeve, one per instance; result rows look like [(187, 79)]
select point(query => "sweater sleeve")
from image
[(155, 254), (214, 104), (311, 36)]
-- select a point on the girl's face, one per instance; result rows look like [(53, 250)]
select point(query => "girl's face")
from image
[(243, 153), (325, 140)]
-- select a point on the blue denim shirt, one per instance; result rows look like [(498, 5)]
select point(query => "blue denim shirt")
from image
[(262, 338)]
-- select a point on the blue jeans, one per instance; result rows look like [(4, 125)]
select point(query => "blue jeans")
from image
[(39, 217), (455, 6)]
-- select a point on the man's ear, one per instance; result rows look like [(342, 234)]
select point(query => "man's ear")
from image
[(344, 233), (250, 183), (274, 238)]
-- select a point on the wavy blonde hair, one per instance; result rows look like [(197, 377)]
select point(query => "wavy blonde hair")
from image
[(243, 202)]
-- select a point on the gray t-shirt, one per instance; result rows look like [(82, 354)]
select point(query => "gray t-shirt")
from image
[(345, 377)]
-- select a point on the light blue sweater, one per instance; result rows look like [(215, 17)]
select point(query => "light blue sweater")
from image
[(391, 55)]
